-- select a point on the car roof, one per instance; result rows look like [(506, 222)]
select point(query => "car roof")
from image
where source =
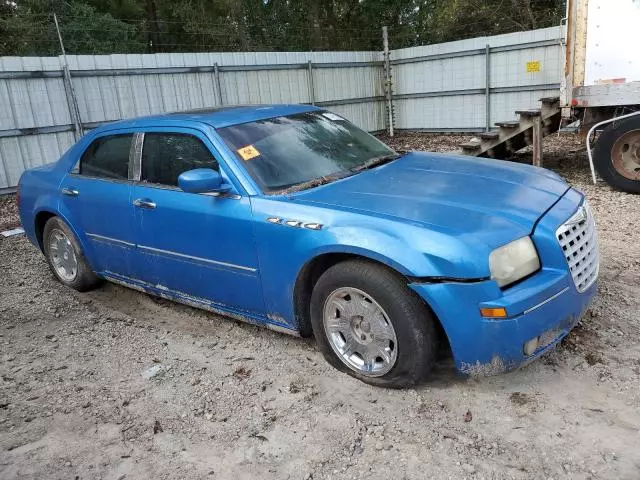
[(218, 117)]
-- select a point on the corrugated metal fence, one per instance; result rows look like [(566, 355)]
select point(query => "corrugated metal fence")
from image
[(436, 87), (471, 84), (36, 123)]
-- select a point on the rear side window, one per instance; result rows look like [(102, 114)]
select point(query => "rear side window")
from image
[(166, 155), (107, 157)]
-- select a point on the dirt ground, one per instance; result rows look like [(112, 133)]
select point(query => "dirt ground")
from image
[(230, 400)]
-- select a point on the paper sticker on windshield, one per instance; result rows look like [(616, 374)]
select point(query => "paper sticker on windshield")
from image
[(332, 116), (248, 152)]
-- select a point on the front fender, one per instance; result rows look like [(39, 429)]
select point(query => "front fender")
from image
[(410, 249), (391, 257)]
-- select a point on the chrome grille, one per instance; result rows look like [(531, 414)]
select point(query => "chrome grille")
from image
[(579, 241)]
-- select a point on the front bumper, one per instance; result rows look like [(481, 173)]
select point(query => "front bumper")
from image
[(484, 346), (545, 306)]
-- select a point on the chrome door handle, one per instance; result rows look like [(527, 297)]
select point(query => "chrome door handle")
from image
[(144, 203), (70, 192)]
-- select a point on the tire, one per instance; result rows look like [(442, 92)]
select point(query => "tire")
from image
[(373, 286), (56, 231), (608, 155)]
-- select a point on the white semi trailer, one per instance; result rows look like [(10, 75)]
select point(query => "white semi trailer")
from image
[(600, 88), (601, 85)]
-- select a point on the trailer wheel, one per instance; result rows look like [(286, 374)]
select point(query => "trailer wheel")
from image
[(617, 155)]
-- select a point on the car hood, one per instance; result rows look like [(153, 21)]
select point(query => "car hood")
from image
[(492, 201)]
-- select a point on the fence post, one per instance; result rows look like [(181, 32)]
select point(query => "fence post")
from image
[(312, 91), (487, 92), (216, 74), (387, 81), (70, 93)]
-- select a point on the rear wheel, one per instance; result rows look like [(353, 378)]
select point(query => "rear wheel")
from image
[(65, 257), (617, 155), (368, 324)]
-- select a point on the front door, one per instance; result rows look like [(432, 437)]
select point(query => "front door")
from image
[(196, 245), (95, 197)]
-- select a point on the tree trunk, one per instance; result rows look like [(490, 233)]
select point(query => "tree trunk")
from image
[(332, 24), (153, 35), (316, 26), (523, 9)]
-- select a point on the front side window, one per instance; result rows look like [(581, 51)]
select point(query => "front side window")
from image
[(166, 155), (107, 157), (283, 152)]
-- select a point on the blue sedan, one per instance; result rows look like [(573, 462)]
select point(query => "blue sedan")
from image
[(289, 216)]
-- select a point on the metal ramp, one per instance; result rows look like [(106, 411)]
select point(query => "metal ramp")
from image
[(512, 136)]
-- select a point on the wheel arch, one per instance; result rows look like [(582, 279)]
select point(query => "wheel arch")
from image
[(40, 220), (311, 271)]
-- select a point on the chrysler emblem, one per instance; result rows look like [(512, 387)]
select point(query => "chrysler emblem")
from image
[(578, 217)]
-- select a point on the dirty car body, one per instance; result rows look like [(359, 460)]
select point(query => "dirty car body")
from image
[(253, 250)]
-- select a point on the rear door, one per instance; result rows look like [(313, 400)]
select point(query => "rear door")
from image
[(96, 198), (198, 245)]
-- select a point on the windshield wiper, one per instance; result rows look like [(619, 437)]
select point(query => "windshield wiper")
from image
[(376, 161), (315, 182)]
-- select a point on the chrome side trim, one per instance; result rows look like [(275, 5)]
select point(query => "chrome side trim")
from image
[(544, 302), (200, 259), (135, 157), (102, 238)]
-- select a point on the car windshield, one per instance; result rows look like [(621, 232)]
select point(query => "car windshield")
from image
[(303, 150)]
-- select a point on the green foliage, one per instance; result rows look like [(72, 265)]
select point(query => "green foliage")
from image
[(27, 28), (457, 19), (131, 26)]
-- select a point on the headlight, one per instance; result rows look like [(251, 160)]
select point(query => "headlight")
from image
[(513, 261)]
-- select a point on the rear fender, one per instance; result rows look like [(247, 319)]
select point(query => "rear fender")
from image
[(82, 239), (46, 202)]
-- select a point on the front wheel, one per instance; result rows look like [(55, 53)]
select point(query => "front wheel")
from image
[(369, 324)]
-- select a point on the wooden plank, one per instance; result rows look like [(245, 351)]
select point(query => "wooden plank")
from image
[(493, 135), (528, 113), (470, 146), (508, 124)]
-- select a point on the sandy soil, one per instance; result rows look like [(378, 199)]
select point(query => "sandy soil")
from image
[(230, 400)]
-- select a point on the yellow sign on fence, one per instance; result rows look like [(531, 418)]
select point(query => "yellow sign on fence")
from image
[(533, 67)]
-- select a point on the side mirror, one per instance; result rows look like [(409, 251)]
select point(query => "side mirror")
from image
[(202, 180)]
